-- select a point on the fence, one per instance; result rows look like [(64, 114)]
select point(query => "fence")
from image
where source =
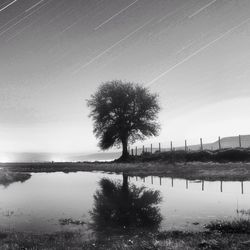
[(162, 181), (227, 142)]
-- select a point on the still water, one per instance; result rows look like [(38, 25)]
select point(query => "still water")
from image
[(39, 203)]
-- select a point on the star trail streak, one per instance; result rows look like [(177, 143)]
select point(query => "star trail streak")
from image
[(18, 33), (115, 15), (113, 46), (69, 27), (197, 52), (171, 13), (13, 19), (33, 6), (201, 9), (25, 17), (8, 5)]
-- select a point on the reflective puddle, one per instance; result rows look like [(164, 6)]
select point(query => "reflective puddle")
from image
[(49, 202)]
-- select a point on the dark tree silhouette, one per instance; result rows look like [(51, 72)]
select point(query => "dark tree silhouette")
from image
[(123, 112), (122, 205)]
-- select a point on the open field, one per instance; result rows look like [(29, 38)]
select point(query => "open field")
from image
[(191, 170), (226, 164)]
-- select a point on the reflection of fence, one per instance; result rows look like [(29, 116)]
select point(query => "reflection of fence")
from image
[(236, 142), (220, 188)]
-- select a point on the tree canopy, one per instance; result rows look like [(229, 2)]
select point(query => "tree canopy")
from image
[(123, 112)]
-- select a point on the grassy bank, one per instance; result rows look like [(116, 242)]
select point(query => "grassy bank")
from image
[(138, 241), (227, 165), (8, 177), (221, 156), (239, 226), (190, 170)]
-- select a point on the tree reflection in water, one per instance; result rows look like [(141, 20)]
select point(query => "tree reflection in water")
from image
[(123, 205)]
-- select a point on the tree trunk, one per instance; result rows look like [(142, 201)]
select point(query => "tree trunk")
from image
[(125, 153), (125, 183), (125, 205)]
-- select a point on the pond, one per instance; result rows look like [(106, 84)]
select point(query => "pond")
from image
[(44, 202)]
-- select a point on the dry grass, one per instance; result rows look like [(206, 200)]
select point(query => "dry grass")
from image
[(237, 226), (137, 241)]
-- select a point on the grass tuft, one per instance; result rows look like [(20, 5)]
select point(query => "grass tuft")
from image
[(238, 226)]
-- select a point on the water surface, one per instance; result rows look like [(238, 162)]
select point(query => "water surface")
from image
[(38, 204)]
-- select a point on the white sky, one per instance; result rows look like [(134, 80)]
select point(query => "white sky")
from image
[(194, 53)]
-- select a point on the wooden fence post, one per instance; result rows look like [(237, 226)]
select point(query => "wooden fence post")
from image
[(151, 148), (136, 151), (186, 145), (159, 147), (143, 149), (171, 146), (219, 143), (201, 144), (240, 141), (132, 152)]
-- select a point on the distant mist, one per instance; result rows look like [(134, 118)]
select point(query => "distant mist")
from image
[(48, 157), (226, 142)]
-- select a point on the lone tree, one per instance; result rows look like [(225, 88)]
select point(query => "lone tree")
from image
[(122, 113)]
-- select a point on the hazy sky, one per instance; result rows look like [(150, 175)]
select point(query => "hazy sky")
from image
[(54, 54)]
